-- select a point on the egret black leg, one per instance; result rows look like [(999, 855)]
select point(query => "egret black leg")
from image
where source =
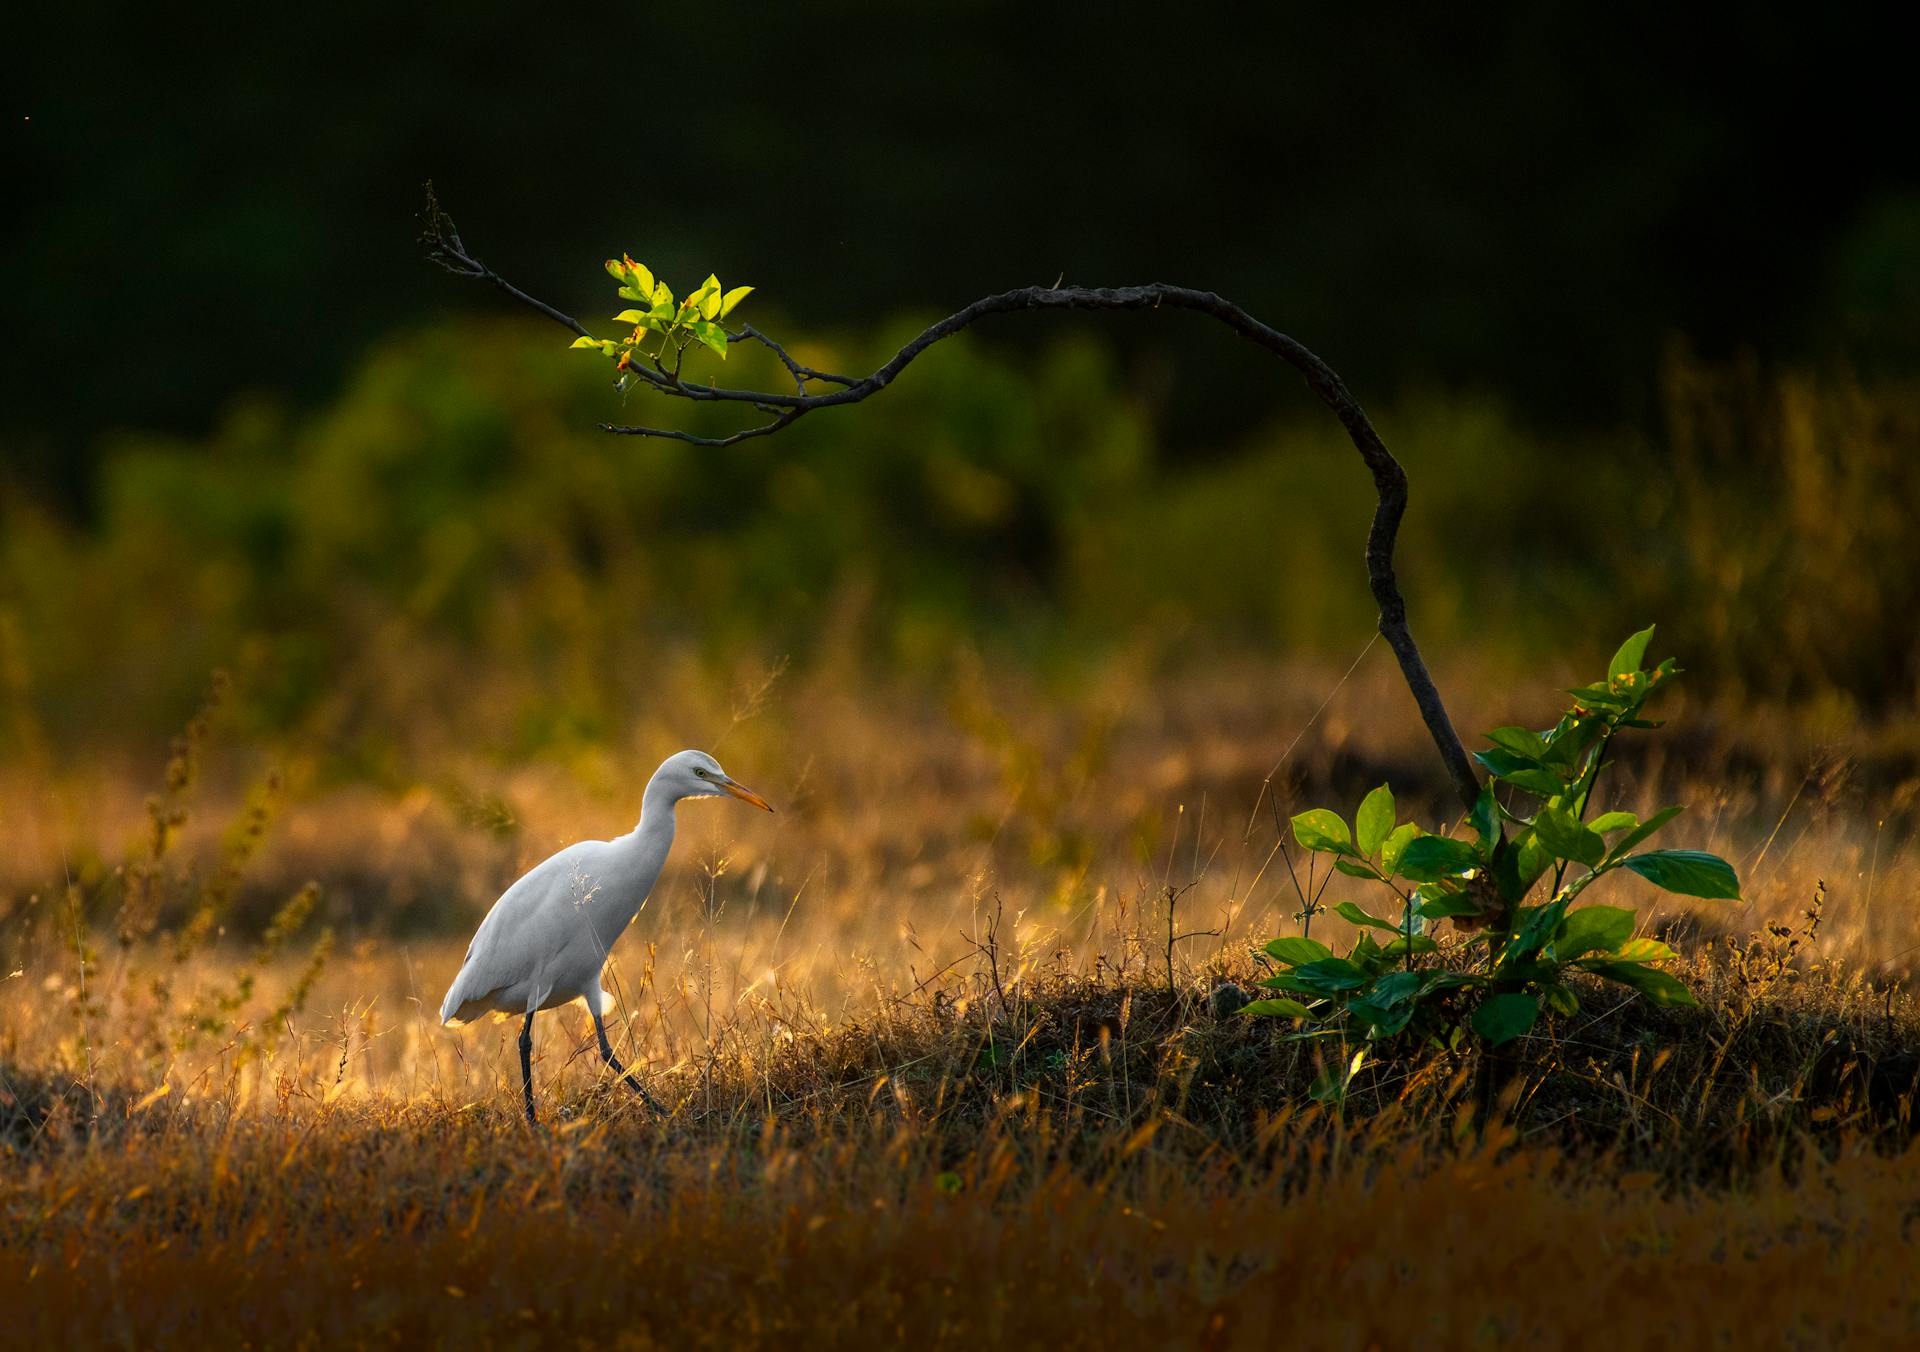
[(526, 1066), (626, 1076)]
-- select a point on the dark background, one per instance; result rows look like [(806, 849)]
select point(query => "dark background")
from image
[(212, 201)]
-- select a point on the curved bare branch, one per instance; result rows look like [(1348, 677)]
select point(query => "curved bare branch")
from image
[(1389, 479)]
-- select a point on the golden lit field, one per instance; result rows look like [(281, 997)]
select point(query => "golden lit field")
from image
[(1325, 601), (934, 1070)]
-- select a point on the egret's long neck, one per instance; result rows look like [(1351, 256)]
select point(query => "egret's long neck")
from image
[(643, 853)]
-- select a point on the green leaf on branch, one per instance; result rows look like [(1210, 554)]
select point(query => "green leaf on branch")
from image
[(1592, 929), (1395, 847), (1691, 873), (1643, 950), (1660, 987), (1352, 914), (1485, 819), (1502, 1018), (1437, 905), (1522, 742), (1330, 975), (1521, 773), (706, 300), (1608, 822), (710, 334), (1567, 838), (1627, 661), (1294, 950), (1354, 868), (1646, 828), (1277, 1009), (1430, 858), (733, 298), (1322, 832), (1374, 822)]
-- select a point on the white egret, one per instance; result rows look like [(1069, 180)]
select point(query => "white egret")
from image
[(546, 939)]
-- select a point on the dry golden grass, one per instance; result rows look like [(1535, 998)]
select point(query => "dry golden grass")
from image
[(928, 1078)]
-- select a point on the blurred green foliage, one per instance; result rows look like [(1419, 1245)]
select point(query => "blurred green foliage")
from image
[(1514, 195), (451, 538)]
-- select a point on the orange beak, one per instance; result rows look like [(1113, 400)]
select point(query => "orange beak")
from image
[(747, 795)]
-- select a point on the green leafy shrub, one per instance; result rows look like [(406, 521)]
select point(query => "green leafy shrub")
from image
[(1406, 984)]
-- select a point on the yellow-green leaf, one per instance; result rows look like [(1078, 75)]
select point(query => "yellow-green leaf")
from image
[(710, 334), (707, 298), (733, 298), (642, 277)]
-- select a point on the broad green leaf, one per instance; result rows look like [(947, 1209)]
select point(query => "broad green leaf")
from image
[(1381, 1020), (1354, 868), (1691, 873), (1330, 975), (1571, 738), (1608, 822), (1430, 858), (1646, 828), (1398, 948), (616, 269), (1537, 923), (1485, 819), (1561, 999), (1643, 950), (1323, 832), (1523, 742), (1439, 906), (1395, 846), (1660, 987), (733, 298), (1592, 929), (1502, 1018), (1365, 954), (1294, 950), (1500, 761), (1374, 822), (1631, 654), (1352, 914), (1531, 859), (642, 277), (1600, 697), (1277, 1008), (711, 334), (1567, 838), (1515, 770), (1395, 988), (707, 298), (597, 344)]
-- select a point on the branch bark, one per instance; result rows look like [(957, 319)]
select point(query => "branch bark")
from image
[(1389, 479)]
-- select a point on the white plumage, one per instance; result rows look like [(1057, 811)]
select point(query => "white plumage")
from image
[(546, 940)]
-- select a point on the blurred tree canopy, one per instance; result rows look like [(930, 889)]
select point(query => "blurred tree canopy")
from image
[(1529, 200)]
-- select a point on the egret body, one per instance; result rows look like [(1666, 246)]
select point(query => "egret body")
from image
[(546, 940)]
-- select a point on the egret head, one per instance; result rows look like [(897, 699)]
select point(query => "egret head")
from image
[(695, 774)]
